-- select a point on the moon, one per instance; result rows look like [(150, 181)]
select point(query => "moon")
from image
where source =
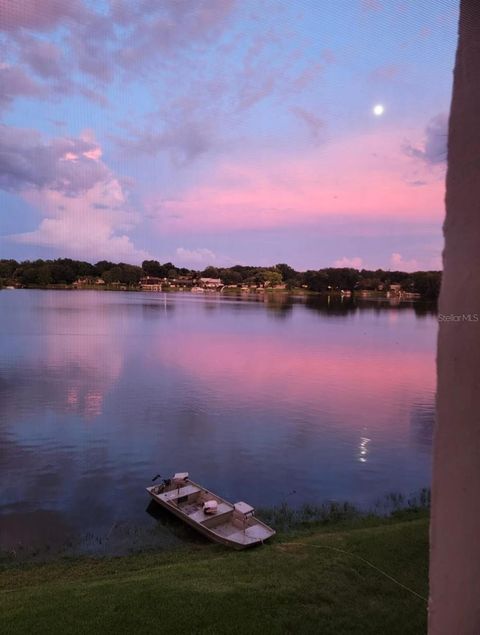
[(378, 110)]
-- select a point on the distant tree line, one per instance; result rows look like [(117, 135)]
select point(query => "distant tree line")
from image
[(65, 271)]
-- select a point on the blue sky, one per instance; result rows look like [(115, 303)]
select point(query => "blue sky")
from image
[(222, 132)]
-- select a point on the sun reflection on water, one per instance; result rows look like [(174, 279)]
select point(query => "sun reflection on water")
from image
[(363, 449)]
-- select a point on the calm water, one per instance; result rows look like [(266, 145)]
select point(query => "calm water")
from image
[(101, 391)]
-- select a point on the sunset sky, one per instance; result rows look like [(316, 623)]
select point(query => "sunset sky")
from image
[(225, 131)]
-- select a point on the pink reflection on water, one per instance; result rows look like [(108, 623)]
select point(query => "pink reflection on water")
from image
[(93, 404), (327, 377), (85, 357), (72, 398)]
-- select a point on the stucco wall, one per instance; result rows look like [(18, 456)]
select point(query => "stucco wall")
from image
[(455, 530)]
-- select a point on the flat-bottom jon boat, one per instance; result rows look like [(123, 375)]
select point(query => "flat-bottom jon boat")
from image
[(233, 525)]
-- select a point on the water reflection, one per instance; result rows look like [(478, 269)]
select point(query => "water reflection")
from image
[(332, 306), (363, 449), (99, 391), (422, 422)]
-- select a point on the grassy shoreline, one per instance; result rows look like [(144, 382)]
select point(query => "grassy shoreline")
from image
[(321, 578)]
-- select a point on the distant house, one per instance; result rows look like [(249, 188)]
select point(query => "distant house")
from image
[(211, 283), (183, 281), (151, 283), (87, 281), (395, 289)]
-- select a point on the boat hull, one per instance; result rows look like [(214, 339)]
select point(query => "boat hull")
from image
[(254, 532)]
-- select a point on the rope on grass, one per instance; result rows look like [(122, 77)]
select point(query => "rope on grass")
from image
[(370, 564)]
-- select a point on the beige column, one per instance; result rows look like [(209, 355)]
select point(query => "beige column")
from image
[(455, 521)]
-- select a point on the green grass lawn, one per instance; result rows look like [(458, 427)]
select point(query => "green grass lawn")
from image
[(299, 583)]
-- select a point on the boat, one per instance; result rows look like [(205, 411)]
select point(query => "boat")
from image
[(233, 525)]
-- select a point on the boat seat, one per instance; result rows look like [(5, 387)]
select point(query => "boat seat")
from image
[(200, 516), (180, 492)]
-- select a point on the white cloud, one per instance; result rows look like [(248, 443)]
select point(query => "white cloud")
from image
[(354, 263), (84, 208), (194, 256), (93, 226), (399, 263)]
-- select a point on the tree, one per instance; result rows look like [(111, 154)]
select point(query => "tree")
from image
[(123, 273), (44, 275), (113, 275), (272, 278), (370, 284), (7, 268), (130, 274), (102, 266), (342, 278), (210, 272), (427, 283), (229, 276), (153, 268), (316, 280), (28, 275), (287, 272)]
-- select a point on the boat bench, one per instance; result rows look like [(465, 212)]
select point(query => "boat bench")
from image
[(201, 517), (174, 494)]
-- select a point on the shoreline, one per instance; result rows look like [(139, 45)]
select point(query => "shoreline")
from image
[(367, 576), (166, 532), (253, 292)]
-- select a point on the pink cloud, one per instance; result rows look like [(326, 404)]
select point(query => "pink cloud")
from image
[(363, 178), (45, 58), (371, 5), (167, 27), (388, 72), (41, 16), (308, 75), (315, 125), (14, 82), (355, 263), (328, 56), (65, 164), (399, 263)]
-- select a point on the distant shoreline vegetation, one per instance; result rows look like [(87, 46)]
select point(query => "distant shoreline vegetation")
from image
[(154, 276)]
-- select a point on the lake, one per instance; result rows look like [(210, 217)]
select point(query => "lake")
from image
[(260, 399)]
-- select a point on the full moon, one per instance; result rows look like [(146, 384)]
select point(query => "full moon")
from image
[(378, 110)]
